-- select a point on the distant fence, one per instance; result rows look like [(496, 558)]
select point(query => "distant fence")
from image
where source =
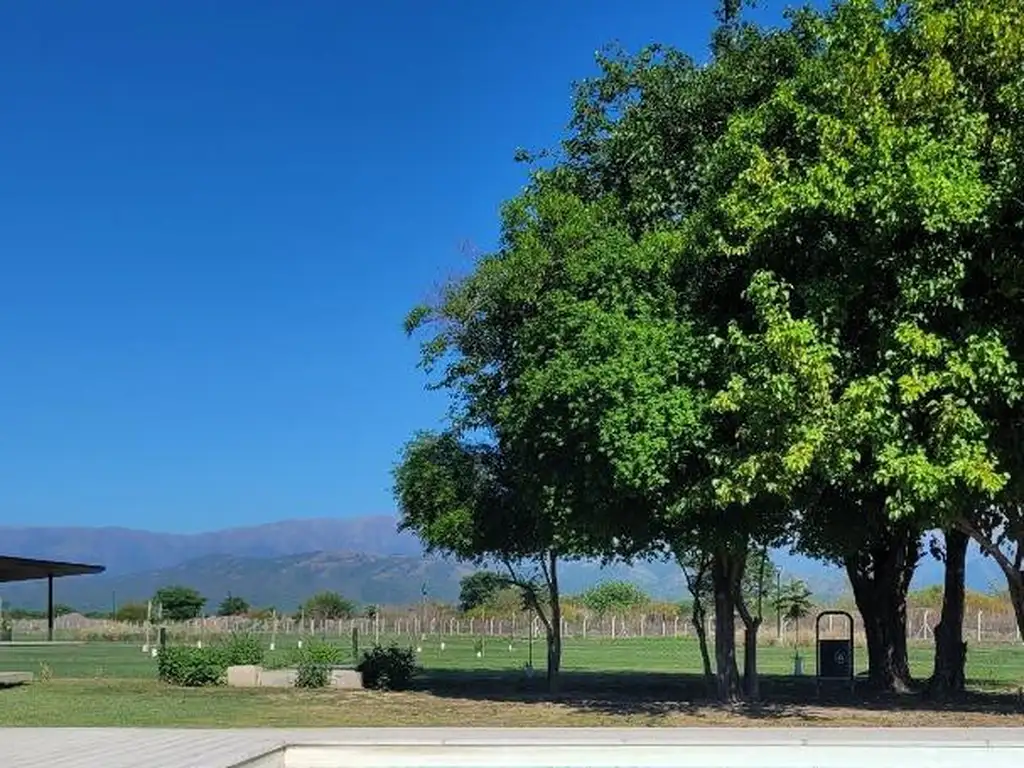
[(983, 627)]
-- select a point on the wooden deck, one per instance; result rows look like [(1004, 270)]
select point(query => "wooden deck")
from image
[(194, 748)]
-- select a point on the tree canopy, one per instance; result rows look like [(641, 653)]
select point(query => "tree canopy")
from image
[(179, 603), (771, 299)]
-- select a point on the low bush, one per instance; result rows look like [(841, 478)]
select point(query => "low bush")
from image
[(313, 663), (388, 668), (243, 648), (310, 674), (191, 667)]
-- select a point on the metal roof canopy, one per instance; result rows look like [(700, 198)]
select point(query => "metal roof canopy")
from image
[(26, 569)]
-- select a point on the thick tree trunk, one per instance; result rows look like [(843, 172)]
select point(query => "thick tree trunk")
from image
[(554, 629), (1017, 598), (751, 624), (880, 576), (950, 648), (751, 680), (726, 572)]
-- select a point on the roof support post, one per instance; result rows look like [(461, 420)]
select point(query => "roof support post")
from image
[(49, 607)]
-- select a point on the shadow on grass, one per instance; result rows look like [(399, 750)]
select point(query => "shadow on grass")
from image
[(662, 694)]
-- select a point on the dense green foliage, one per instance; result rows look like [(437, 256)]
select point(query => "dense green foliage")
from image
[(478, 589), (613, 596), (136, 613), (387, 668), (313, 663), (191, 667), (242, 648), (775, 298), (233, 605), (327, 605), (179, 603)]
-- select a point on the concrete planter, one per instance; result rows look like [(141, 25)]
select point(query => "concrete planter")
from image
[(253, 676)]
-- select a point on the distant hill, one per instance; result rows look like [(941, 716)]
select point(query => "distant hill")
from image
[(283, 582), (123, 550), (363, 557)]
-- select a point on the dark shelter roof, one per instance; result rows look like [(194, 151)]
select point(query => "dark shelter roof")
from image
[(24, 569)]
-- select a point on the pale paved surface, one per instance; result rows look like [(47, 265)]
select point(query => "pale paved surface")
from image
[(195, 748)]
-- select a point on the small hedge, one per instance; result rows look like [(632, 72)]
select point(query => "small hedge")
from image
[(388, 668), (192, 667), (314, 661), (243, 648)]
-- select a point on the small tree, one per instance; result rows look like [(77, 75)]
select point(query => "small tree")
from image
[(696, 567), (474, 503), (328, 606), (759, 578), (479, 588), (794, 603), (612, 596), (179, 603), (134, 613), (232, 605)]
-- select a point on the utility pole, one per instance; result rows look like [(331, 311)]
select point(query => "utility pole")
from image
[(778, 605), (423, 626)]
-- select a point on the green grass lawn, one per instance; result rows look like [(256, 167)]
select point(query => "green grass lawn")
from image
[(607, 682), (997, 664)]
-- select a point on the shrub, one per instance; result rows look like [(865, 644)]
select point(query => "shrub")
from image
[(243, 648), (191, 667), (314, 661), (310, 674), (388, 668)]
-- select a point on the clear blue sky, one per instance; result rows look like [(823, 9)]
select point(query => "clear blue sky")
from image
[(214, 216)]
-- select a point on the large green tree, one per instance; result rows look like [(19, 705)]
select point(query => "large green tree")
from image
[(865, 166), (983, 44), (327, 605), (647, 132), (179, 603), (559, 347), (614, 596), (837, 155), (479, 588), (754, 300)]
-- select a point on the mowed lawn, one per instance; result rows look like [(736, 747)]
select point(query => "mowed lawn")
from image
[(647, 681), (999, 664)]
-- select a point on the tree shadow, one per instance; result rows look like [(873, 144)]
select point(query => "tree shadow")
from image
[(660, 694)]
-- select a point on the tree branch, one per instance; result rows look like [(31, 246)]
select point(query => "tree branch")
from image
[(989, 548), (529, 591)]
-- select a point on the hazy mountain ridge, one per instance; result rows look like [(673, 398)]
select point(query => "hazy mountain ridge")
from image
[(365, 558), (124, 550), (283, 582)]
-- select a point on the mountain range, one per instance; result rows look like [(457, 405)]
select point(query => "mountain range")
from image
[(365, 558)]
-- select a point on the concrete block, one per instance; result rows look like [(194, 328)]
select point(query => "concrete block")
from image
[(278, 678), (346, 678), (244, 676), (15, 678)]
